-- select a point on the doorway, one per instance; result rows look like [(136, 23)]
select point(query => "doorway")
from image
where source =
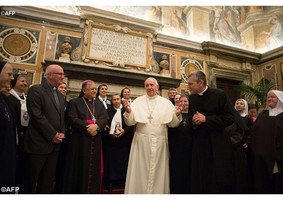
[(228, 86)]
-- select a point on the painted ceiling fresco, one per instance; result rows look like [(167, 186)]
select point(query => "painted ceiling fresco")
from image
[(254, 28)]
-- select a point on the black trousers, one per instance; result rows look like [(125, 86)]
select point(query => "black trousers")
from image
[(39, 173)]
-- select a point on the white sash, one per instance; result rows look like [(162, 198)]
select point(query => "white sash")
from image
[(24, 111), (116, 122), (103, 101)]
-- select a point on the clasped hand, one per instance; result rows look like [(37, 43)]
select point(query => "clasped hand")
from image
[(118, 133), (58, 138), (92, 129), (198, 118)]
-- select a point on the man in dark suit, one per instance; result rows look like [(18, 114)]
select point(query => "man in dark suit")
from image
[(45, 132), (210, 112)]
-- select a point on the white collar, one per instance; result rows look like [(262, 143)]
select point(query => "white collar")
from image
[(201, 93), (102, 99), (152, 97), (119, 107), (17, 95)]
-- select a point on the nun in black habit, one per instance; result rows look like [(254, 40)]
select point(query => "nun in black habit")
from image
[(7, 135)]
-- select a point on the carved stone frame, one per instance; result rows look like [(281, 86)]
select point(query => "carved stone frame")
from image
[(90, 25), (224, 73)]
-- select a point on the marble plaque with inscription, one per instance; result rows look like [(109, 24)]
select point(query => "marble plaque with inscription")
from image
[(112, 46)]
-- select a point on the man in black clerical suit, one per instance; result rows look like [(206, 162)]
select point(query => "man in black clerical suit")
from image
[(87, 117), (45, 132), (210, 112)]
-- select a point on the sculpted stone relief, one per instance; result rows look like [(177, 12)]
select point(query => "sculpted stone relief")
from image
[(19, 44)]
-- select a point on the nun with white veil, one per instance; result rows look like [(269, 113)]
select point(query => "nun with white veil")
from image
[(239, 133), (267, 146)]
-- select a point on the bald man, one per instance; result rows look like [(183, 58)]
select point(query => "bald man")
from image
[(45, 132)]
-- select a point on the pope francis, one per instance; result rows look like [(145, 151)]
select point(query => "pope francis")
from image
[(148, 168)]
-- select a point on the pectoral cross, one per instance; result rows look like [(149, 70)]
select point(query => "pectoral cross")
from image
[(184, 122), (150, 118), (7, 114)]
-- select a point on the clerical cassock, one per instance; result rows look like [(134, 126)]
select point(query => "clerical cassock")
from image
[(212, 158), (84, 162)]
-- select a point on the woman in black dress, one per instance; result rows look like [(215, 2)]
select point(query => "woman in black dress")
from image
[(180, 148)]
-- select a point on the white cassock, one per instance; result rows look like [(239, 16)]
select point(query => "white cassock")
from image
[(148, 168)]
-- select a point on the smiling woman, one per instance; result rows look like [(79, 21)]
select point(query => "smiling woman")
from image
[(267, 148), (8, 135)]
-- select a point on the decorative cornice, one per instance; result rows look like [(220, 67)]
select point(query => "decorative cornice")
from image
[(219, 50), (45, 17), (105, 16), (77, 70), (178, 43), (212, 48), (271, 55)]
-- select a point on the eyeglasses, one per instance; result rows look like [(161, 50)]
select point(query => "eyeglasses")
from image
[(60, 74)]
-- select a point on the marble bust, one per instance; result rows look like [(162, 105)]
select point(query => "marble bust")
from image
[(66, 49), (164, 65)]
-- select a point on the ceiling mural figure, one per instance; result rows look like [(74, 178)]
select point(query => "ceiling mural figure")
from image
[(179, 24), (154, 14), (237, 26), (275, 35), (225, 25)]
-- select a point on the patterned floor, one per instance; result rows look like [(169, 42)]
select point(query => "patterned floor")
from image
[(114, 190)]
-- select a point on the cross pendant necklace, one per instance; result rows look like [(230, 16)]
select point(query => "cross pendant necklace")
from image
[(7, 114), (91, 113), (150, 118), (184, 122)]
